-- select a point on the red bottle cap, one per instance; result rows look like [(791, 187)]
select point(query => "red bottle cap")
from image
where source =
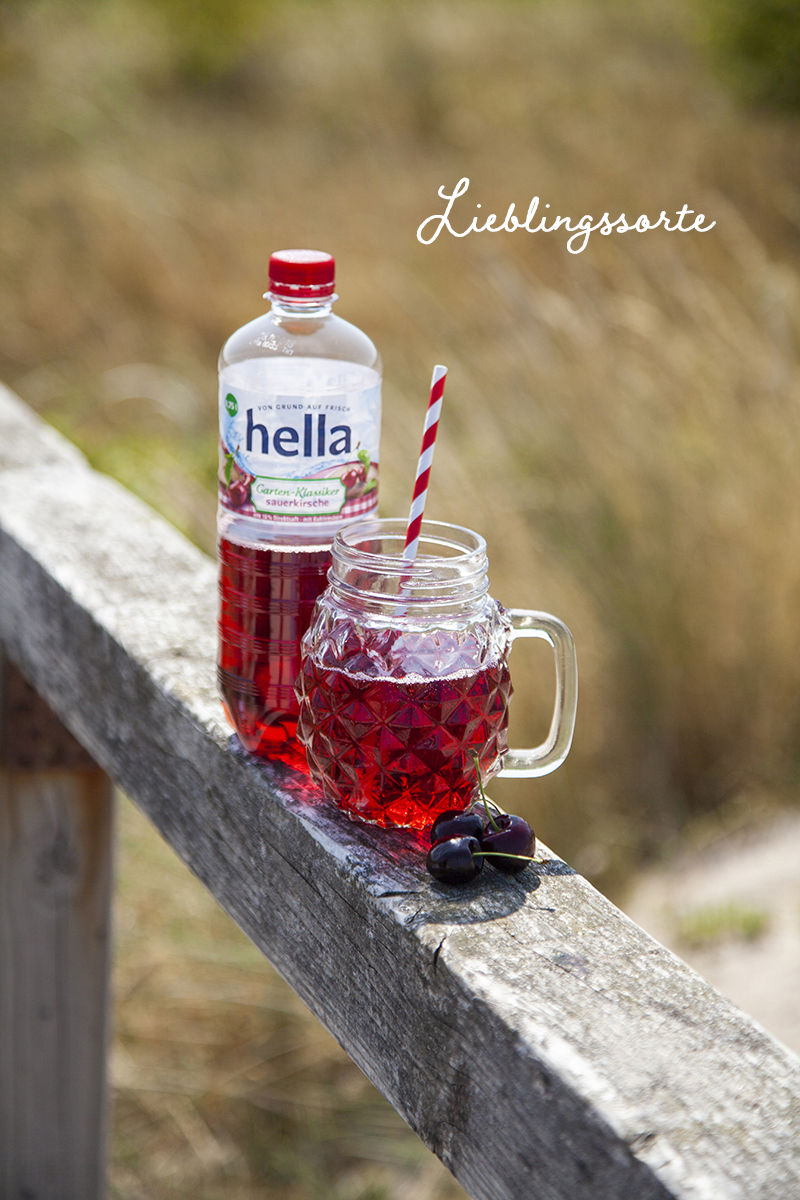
[(301, 274)]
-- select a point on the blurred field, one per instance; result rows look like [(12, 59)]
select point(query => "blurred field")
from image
[(623, 425)]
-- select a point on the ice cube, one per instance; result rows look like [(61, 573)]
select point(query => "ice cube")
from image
[(435, 653)]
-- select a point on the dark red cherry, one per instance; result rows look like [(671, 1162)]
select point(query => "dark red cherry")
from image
[(239, 493), (455, 823), (451, 861), (355, 476), (514, 836)]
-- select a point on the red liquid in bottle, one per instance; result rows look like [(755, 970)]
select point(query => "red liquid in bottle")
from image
[(266, 598), (396, 751)]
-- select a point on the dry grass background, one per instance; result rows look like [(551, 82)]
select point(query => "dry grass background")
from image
[(623, 425)]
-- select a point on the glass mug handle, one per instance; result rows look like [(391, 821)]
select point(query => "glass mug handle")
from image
[(518, 764)]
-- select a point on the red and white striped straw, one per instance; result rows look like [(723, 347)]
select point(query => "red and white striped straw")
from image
[(424, 464)]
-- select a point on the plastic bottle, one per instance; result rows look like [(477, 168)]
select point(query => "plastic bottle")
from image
[(300, 408)]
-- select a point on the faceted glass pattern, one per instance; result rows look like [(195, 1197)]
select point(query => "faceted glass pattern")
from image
[(388, 716)]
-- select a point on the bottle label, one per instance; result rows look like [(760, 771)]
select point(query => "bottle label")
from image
[(299, 439)]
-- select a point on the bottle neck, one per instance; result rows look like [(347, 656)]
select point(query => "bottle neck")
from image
[(314, 309)]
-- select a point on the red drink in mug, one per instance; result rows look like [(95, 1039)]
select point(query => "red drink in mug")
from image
[(405, 675)]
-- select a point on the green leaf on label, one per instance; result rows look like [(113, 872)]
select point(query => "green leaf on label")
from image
[(228, 468), (363, 455)]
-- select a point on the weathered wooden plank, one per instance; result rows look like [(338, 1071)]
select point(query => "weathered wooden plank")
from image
[(536, 1039), (55, 886)]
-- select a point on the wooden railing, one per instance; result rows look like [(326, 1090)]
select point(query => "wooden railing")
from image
[(537, 1040)]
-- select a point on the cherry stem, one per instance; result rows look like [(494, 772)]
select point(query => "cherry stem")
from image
[(477, 762), (501, 854)]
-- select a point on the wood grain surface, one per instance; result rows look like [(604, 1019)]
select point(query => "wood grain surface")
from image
[(55, 889), (536, 1039)]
